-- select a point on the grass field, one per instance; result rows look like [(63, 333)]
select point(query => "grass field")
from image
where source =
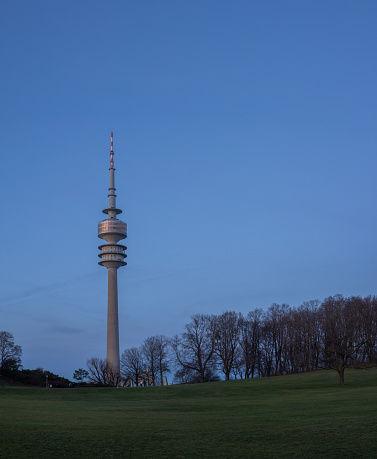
[(304, 416)]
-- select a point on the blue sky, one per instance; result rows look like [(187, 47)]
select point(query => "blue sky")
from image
[(245, 154)]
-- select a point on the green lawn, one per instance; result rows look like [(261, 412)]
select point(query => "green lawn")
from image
[(304, 416)]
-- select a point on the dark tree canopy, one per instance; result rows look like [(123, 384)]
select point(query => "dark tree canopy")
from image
[(80, 375), (10, 354)]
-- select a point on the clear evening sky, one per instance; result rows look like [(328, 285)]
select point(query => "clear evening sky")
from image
[(245, 153)]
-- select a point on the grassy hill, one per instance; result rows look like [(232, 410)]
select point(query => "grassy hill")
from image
[(307, 415)]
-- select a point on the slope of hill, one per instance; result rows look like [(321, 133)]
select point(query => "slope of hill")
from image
[(306, 415)]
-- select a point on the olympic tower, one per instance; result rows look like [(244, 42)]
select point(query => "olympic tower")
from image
[(112, 257)]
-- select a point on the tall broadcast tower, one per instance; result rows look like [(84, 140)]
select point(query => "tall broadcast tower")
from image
[(112, 257)]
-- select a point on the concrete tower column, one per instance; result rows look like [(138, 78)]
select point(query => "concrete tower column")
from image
[(112, 319)]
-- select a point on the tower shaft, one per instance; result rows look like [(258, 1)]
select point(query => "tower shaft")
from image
[(112, 319)]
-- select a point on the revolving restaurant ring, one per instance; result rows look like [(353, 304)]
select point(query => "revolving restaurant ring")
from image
[(112, 226)]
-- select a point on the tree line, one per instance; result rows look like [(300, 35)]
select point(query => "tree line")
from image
[(146, 364), (11, 367), (335, 334)]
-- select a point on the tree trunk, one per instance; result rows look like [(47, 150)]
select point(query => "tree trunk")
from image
[(341, 376)]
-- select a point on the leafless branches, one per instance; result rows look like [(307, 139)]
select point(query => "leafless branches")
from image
[(10, 354), (103, 372), (337, 333), (194, 349)]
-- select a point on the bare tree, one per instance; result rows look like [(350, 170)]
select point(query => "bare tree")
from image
[(194, 349), (369, 330), (103, 372), (113, 376), (97, 370), (10, 353), (341, 321), (275, 327), (163, 356), (304, 338), (150, 350), (132, 364), (228, 330), (250, 344)]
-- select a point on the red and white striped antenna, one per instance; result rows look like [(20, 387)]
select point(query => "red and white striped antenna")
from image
[(112, 153)]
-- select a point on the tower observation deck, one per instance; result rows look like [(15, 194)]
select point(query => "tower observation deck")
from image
[(112, 257)]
